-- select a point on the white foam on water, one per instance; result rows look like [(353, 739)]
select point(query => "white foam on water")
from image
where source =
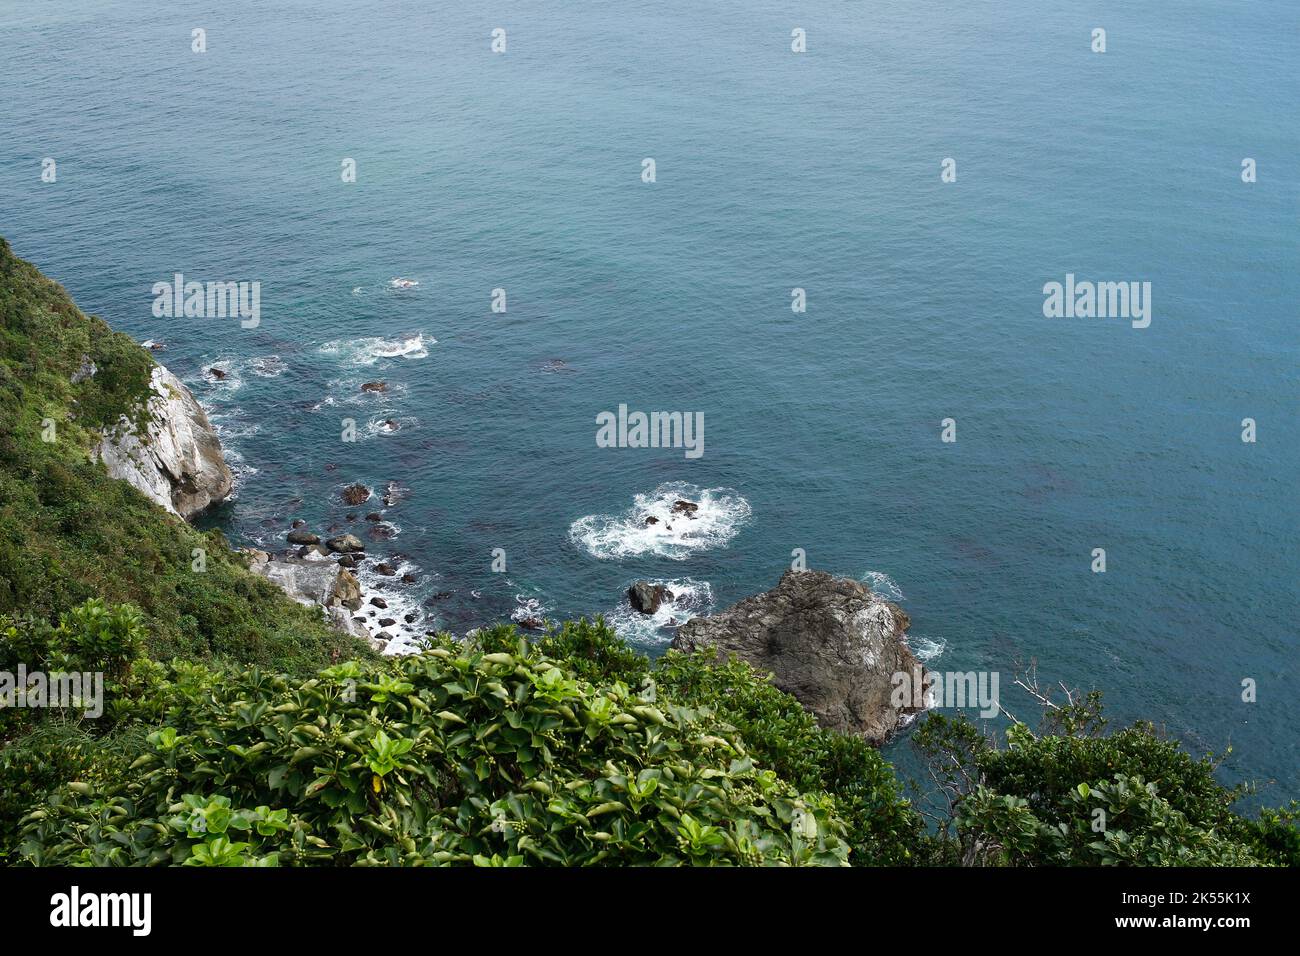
[(719, 518), (690, 599), (269, 366), (530, 606), (882, 584), (381, 426), (402, 599), (369, 350), (926, 649), (236, 370)]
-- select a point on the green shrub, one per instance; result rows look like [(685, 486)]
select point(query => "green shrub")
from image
[(1080, 797), (883, 829), (450, 757)]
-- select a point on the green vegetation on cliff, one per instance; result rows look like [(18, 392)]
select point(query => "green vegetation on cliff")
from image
[(68, 533)]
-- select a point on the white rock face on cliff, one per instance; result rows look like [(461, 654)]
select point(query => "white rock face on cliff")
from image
[(178, 461)]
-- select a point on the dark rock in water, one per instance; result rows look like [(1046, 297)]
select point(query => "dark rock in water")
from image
[(410, 617), (441, 596), (830, 642), (374, 386), (379, 602), (331, 467), (348, 561), (355, 494), (383, 636), (381, 532), (393, 493), (532, 623), (303, 537), (651, 520), (687, 508), (386, 569), (345, 544), (352, 516), (298, 523), (216, 373), (313, 551), (374, 516), (390, 425), (647, 597), (408, 578), (387, 621)]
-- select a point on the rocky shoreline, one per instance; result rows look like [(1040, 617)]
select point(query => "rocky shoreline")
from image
[(176, 460), (830, 642), (324, 572)]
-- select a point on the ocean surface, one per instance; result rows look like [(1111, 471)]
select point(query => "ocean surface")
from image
[(774, 170)]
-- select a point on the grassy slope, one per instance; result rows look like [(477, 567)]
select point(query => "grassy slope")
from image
[(68, 532)]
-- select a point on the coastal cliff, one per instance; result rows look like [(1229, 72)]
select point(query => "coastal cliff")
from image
[(80, 406), (176, 461)]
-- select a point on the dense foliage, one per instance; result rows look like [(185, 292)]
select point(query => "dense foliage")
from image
[(1077, 796), (67, 533), (457, 755)]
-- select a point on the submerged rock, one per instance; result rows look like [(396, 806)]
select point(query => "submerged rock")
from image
[(299, 536), (355, 494), (830, 642), (393, 493), (177, 463)]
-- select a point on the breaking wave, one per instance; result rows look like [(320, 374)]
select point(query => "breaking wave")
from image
[(718, 518)]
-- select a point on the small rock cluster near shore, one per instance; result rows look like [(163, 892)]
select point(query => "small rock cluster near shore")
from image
[(323, 571)]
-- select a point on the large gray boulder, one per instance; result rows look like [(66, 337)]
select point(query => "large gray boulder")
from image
[(310, 581), (177, 462), (334, 589), (830, 642)]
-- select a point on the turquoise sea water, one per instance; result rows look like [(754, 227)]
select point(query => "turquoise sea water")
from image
[(522, 171)]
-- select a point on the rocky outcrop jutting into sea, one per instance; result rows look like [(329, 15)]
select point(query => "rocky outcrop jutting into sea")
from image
[(830, 642), (177, 462)]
